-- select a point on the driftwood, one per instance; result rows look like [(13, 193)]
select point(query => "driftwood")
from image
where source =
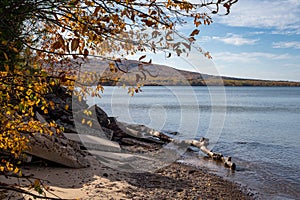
[(145, 133), (202, 145)]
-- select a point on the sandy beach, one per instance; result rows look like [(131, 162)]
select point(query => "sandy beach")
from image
[(177, 181)]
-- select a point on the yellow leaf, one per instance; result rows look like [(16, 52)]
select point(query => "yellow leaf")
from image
[(36, 182), (4, 42), (16, 170), (6, 67), (5, 55), (83, 121), (90, 123), (52, 105)]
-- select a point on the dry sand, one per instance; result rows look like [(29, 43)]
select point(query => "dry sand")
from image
[(177, 181)]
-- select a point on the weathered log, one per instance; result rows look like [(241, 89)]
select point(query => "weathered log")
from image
[(202, 145), (146, 133)]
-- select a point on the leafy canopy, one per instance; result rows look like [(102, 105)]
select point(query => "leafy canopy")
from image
[(44, 43)]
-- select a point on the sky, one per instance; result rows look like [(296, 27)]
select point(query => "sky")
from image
[(259, 39)]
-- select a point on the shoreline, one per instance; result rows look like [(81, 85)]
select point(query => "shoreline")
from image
[(176, 181)]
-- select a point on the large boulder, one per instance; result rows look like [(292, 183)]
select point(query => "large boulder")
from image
[(56, 148)]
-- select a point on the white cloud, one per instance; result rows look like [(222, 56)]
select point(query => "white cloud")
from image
[(257, 33), (283, 15), (248, 57), (236, 40), (292, 44)]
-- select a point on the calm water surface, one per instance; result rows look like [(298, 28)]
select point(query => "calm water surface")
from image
[(258, 126)]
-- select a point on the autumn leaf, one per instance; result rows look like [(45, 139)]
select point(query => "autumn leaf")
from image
[(197, 23), (149, 23), (207, 54), (195, 32), (56, 45), (142, 57), (5, 55), (74, 44)]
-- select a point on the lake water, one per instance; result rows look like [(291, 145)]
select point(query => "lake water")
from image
[(258, 126)]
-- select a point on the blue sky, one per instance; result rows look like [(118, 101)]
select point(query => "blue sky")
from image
[(259, 39)]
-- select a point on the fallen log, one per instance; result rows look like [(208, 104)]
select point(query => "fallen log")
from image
[(202, 145), (146, 133)]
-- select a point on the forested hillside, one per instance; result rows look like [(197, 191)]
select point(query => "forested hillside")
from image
[(130, 72)]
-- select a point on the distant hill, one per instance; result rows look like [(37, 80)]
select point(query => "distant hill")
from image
[(154, 74)]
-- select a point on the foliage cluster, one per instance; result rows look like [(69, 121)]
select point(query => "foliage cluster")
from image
[(43, 44)]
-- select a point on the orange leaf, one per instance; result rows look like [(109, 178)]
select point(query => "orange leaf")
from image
[(148, 22), (195, 32), (96, 11), (56, 45)]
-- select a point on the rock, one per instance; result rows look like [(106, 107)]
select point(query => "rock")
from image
[(63, 153), (101, 116), (93, 142), (124, 161), (56, 148), (99, 121)]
